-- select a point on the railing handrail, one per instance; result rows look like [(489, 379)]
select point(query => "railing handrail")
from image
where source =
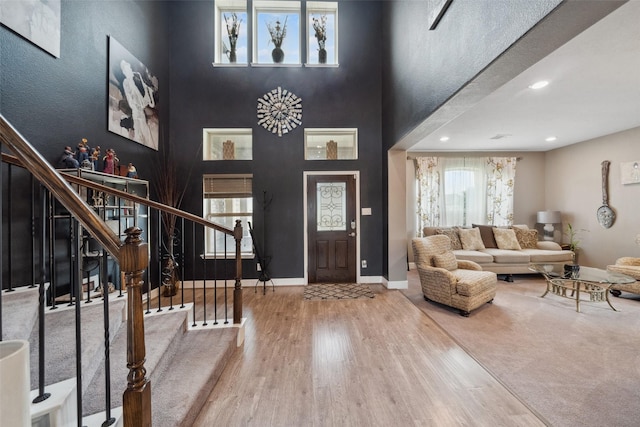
[(59, 187), (74, 179)]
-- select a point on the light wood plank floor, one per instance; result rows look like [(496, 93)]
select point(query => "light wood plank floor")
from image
[(367, 362)]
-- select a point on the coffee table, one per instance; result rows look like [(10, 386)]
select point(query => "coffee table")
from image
[(589, 282)]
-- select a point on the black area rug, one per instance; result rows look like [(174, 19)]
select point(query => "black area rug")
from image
[(331, 291)]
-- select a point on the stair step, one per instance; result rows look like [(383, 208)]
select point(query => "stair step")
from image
[(60, 340), (161, 334), (179, 394), (19, 313)]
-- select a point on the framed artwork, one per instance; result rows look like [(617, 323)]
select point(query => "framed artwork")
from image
[(133, 97), (37, 21), (439, 8), (630, 172)]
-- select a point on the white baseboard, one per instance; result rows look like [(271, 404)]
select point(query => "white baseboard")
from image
[(397, 284)]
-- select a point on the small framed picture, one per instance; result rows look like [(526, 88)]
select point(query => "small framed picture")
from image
[(630, 172)]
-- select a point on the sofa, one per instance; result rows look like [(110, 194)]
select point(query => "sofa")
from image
[(502, 250), (631, 267), (444, 279)]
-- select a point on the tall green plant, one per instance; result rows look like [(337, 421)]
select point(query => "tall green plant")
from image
[(573, 234)]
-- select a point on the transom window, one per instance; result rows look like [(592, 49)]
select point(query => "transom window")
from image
[(232, 31), (322, 33), (276, 32)]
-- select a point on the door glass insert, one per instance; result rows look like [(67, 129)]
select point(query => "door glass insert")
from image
[(332, 204)]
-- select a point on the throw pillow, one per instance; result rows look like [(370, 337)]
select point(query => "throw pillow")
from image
[(470, 238), (446, 260), (453, 235), (528, 239), (506, 238), (486, 233)]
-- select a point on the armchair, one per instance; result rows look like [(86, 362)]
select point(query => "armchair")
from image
[(631, 267), (455, 283)]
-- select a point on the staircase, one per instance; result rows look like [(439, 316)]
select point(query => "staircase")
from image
[(182, 365)]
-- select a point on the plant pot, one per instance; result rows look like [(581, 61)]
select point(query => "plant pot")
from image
[(277, 55), (322, 56)]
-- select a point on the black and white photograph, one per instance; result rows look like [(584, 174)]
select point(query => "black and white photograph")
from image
[(133, 97)]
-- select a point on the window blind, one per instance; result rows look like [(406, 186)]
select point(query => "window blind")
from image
[(226, 186)]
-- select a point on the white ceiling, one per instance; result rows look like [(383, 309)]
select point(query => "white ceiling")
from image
[(594, 90)]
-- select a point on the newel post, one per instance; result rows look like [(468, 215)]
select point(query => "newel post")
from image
[(237, 291), (137, 397)]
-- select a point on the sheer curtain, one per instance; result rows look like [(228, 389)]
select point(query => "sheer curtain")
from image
[(428, 193), (465, 183)]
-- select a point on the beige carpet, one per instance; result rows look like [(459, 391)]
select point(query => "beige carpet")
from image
[(331, 291), (574, 369)]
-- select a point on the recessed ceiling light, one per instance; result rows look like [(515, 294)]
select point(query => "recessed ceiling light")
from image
[(539, 85), (550, 139), (444, 139)]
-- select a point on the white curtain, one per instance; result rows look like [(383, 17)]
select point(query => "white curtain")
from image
[(464, 191)]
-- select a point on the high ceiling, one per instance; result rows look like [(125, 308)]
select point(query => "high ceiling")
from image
[(593, 90)]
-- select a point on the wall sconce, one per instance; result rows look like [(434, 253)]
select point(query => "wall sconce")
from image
[(549, 218)]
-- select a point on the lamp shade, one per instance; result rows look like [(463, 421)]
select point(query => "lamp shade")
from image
[(549, 217)]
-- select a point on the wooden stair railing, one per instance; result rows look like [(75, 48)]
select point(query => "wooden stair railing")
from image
[(132, 257)]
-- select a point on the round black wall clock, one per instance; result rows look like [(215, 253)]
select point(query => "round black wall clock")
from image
[(279, 111)]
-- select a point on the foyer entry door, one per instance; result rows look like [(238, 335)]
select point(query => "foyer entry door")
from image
[(331, 216)]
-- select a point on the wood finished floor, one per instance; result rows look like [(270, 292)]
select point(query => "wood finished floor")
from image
[(366, 362)]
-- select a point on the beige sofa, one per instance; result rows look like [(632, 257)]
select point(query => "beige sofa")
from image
[(631, 267), (491, 257)]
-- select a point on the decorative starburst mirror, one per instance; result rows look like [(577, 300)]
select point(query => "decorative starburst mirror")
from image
[(279, 111)]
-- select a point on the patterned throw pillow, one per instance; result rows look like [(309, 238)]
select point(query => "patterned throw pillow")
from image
[(446, 260), (528, 239), (470, 238), (506, 238), (453, 235)]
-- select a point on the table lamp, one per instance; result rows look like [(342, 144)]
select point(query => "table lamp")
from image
[(549, 218)]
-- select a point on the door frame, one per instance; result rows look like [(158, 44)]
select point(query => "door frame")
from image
[(305, 175)]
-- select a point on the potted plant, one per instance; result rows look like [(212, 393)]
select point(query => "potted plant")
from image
[(320, 28), (277, 33), (574, 241)]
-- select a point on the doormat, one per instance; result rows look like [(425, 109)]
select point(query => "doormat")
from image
[(327, 291)]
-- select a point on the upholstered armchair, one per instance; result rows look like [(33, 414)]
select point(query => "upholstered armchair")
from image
[(458, 284), (631, 267)]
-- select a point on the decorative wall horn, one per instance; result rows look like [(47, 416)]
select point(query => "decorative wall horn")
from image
[(606, 215)]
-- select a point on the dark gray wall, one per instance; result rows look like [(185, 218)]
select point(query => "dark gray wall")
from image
[(55, 102), (423, 68), (203, 96)]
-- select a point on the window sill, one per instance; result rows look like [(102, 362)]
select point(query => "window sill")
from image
[(228, 65), (258, 64), (231, 257), (322, 65)]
